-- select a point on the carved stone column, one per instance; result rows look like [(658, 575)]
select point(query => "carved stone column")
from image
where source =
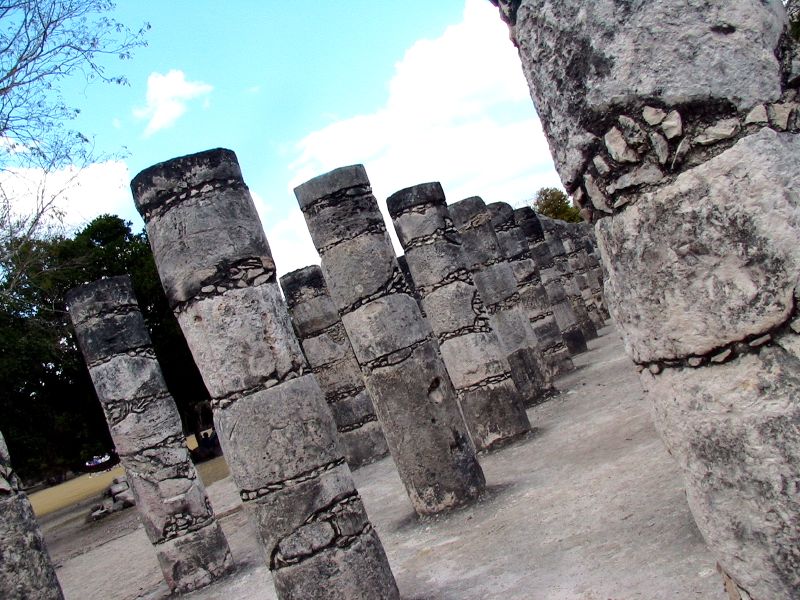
[(528, 222), (531, 290), (394, 345), (675, 126), (330, 356), (276, 431), (489, 400), (494, 278), (147, 432), (26, 571)]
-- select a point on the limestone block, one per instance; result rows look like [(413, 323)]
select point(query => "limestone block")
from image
[(435, 262), (313, 314), (453, 308), (672, 266), (351, 411), (141, 424), (288, 446), (470, 359), (111, 334), (733, 429), (329, 346), (196, 559), (25, 569), (647, 50), (364, 445), (126, 377), (340, 377), (243, 330), (496, 412), (385, 325)]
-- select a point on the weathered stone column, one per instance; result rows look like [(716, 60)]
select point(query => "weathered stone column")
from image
[(554, 237), (274, 426), (528, 222), (330, 356), (497, 286), (675, 125), (489, 400), (394, 345), (531, 290), (146, 428), (576, 257), (26, 571)]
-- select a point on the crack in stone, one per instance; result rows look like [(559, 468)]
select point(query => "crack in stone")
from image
[(252, 271), (392, 358), (370, 229), (249, 495), (265, 383), (116, 310), (175, 440), (137, 351), (462, 275), (507, 303), (480, 325), (447, 233), (169, 198), (181, 524), (484, 383), (117, 411), (343, 394), (348, 193), (396, 284), (358, 424)]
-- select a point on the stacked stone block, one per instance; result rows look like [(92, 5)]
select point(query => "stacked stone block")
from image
[(394, 345), (679, 138), (147, 432), (26, 571), (330, 356), (274, 425), (489, 400), (528, 221), (554, 236), (531, 290), (586, 272), (497, 286)]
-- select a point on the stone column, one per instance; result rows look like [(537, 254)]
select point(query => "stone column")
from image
[(490, 402), (330, 356), (528, 222), (274, 426), (531, 290), (554, 237), (675, 126), (588, 275), (394, 345), (497, 286), (577, 260), (26, 571), (147, 432)]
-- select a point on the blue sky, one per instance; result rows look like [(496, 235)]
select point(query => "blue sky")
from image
[(415, 90)]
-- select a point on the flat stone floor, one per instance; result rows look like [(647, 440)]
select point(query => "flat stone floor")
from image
[(589, 507)]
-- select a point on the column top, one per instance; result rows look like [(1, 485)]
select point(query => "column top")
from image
[(529, 222), (293, 283), (467, 209), (152, 185), (416, 195), (99, 296), (329, 183)]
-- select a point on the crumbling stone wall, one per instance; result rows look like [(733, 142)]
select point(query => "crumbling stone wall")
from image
[(489, 400), (25, 568), (276, 431), (674, 125), (394, 345), (330, 356), (147, 432)]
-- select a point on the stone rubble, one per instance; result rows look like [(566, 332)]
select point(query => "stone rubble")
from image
[(276, 430), (489, 400), (395, 347), (146, 429)]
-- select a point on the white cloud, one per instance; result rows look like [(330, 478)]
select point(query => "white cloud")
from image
[(458, 112), (167, 97), (78, 195), (291, 243)]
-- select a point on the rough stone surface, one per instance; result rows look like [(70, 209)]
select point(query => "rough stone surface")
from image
[(670, 265), (147, 432), (533, 295), (528, 221), (398, 354), (275, 428), (494, 278), (489, 400), (26, 571), (330, 356), (677, 52)]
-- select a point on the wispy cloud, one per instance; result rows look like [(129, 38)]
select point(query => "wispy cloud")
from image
[(458, 112), (167, 98)]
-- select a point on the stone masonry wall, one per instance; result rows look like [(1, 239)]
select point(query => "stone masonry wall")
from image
[(147, 432), (276, 431), (674, 125)]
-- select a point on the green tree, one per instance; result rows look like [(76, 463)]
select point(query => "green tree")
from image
[(554, 203), (51, 417)]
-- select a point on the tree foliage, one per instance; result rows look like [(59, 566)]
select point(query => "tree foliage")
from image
[(51, 417), (42, 43), (555, 204)]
